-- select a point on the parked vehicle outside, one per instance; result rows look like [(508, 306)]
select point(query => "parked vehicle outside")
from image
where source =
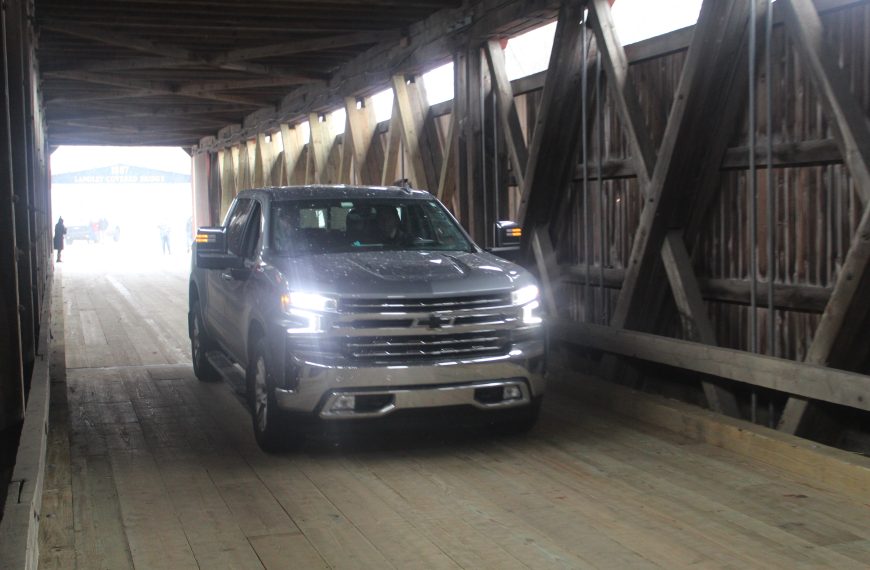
[(80, 233), (357, 303)]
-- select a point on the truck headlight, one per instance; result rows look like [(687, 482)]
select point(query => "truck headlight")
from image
[(308, 302), (305, 309), (524, 295), (527, 298)]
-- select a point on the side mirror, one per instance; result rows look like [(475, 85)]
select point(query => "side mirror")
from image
[(210, 250), (507, 240)]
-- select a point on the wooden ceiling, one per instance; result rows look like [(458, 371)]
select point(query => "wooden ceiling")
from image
[(168, 72)]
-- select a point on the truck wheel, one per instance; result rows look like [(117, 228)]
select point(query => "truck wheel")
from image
[(200, 344), (271, 429)]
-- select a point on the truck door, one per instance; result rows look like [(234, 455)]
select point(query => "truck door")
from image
[(221, 282), (239, 297)]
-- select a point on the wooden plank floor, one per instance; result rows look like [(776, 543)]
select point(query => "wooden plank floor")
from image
[(150, 468)]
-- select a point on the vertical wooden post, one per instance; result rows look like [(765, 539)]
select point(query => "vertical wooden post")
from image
[(509, 118), (11, 365), (468, 104), (447, 178), (228, 180), (293, 147), (15, 41), (319, 148), (359, 138), (200, 184), (391, 154)]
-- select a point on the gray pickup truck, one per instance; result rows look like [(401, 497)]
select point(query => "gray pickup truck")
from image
[(336, 303)]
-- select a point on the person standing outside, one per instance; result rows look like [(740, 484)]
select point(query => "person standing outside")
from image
[(59, 232), (164, 239)]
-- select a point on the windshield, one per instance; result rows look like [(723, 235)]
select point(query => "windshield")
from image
[(300, 227)]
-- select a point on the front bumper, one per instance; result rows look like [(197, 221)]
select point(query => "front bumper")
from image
[(429, 385)]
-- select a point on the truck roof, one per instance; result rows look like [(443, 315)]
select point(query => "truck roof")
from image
[(337, 191)]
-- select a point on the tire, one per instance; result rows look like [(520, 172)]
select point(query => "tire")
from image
[(272, 429), (200, 344)]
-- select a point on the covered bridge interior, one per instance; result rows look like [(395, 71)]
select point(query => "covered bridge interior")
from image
[(694, 206)]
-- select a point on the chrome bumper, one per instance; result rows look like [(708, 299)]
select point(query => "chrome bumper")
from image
[(419, 386)]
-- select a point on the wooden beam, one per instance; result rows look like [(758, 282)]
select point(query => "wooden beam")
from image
[(693, 314), (293, 147), (846, 116), (548, 270), (359, 137), (228, 181), (258, 173), (12, 394), (808, 380), (846, 308), (555, 141), (423, 158), (319, 148), (623, 93), (694, 126), (391, 153), (510, 120), (447, 178), (119, 40), (141, 88), (306, 45)]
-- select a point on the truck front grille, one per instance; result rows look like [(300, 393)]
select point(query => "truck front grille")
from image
[(416, 349), (428, 347), (412, 305)]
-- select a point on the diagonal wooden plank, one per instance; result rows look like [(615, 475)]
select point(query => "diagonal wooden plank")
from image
[(683, 281), (391, 153), (359, 138), (228, 181), (555, 140), (846, 117), (845, 309), (694, 125), (510, 120), (447, 178), (422, 158), (623, 92), (693, 313), (293, 146)]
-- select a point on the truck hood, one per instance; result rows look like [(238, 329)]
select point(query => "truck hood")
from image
[(402, 273)]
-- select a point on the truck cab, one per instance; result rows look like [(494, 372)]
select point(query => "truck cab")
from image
[(356, 303)]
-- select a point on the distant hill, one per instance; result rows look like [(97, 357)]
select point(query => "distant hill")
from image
[(121, 174)]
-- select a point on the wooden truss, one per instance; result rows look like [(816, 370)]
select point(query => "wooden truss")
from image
[(694, 149)]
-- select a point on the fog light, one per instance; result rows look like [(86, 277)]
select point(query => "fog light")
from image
[(512, 392), (344, 403)]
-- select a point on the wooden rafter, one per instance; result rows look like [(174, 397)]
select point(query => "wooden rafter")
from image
[(140, 88), (303, 46)]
